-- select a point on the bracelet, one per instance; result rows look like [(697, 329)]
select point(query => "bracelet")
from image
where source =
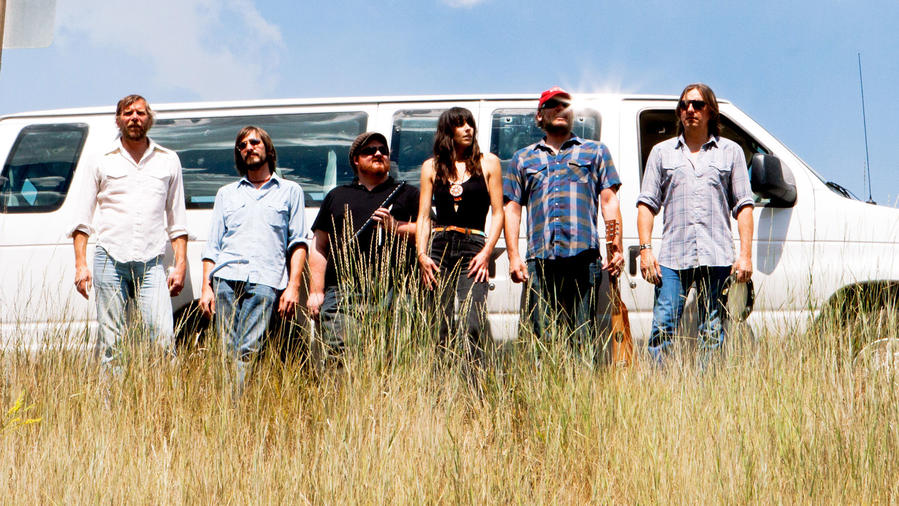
[(645, 246)]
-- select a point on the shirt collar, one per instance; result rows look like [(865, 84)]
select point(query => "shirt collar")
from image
[(389, 182), (274, 180), (713, 140), (574, 139), (117, 146)]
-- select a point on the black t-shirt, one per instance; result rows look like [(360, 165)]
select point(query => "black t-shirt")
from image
[(353, 204)]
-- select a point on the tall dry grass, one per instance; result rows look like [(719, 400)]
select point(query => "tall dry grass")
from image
[(784, 419)]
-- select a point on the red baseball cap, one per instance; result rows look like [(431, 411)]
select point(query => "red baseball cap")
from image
[(555, 91)]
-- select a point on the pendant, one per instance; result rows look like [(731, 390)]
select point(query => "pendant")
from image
[(455, 190)]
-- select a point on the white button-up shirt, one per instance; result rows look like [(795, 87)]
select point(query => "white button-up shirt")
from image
[(139, 205)]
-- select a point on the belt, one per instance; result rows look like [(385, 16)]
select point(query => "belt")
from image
[(461, 230)]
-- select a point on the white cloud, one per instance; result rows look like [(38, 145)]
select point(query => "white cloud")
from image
[(216, 49), (465, 4)]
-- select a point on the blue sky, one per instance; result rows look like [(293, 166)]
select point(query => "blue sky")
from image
[(790, 65)]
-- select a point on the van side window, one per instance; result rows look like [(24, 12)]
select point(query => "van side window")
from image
[(412, 142), (659, 125), (313, 150), (38, 171), (513, 129)]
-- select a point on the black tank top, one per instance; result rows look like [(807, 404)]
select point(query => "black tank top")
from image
[(474, 202)]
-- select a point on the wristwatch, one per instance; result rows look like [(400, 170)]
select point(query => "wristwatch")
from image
[(645, 246)]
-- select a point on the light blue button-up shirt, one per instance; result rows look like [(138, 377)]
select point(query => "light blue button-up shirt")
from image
[(252, 230)]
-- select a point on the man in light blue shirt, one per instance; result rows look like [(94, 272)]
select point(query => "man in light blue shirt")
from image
[(255, 251)]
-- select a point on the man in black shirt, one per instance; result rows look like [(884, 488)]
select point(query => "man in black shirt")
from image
[(362, 234)]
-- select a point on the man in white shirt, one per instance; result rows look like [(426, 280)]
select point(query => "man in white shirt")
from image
[(136, 190)]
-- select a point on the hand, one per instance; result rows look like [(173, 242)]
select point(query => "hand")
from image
[(429, 270), (649, 267), (518, 270), (176, 280), (743, 269), (83, 280), (614, 264), (207, 301), (289, 300), (478, 267), (383, 217), (314, 303)]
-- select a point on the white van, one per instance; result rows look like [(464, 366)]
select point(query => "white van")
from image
[(811, 245)]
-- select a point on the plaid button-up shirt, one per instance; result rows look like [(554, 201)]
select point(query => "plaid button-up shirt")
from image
[(561, 192), (699, 196)]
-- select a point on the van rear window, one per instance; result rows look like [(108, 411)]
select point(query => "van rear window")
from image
[(313, 150), (38, 171), (514, 129)]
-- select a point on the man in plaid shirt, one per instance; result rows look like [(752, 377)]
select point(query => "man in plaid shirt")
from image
[(701, 180), (565, 182)]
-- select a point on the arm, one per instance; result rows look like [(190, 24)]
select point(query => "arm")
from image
[(207, 295), (429, 268), (176, 278), (611, 210), (291, 296), (649, 266), (318, 263), (478, 267), (517, 268), (743, 266), (82, 273)]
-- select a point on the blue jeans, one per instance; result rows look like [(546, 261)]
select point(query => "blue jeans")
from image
[(670, 296), (452, 251), (122, 287), (242, 313), (566, 292)]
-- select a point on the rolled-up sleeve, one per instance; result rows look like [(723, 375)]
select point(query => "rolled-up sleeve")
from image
[(216, 230), (512, 181), (175, 208), (651, 187), (297, 233), (740, 187)]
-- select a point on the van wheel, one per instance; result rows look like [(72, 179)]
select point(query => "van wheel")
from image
[(190, 326), (860, 315)]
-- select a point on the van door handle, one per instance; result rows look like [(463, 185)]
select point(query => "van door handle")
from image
[(632, 253)]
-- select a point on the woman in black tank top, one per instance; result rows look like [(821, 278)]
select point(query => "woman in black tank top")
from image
[(463, 185)]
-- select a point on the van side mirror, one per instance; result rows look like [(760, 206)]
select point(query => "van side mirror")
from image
[(771, 180)]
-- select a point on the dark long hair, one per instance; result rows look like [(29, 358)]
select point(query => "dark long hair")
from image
[(444, 149), (710, 102)]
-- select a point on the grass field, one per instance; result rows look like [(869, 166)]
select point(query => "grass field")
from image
[(786, 419)]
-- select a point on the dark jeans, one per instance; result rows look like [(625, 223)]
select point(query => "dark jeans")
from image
[(568, 293), (339, 318), (452, 252)]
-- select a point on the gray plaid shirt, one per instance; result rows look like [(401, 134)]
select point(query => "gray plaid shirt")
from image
[(699, 198)]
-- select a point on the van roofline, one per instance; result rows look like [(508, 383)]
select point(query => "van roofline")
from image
[(289, 102)]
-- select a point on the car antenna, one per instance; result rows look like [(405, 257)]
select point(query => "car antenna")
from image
[(867, 173)]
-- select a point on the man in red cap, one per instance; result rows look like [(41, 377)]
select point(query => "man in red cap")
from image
[(565, 181)]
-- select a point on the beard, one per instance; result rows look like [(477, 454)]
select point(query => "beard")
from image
[(133, 132)]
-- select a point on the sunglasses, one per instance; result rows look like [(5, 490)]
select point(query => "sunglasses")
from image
[(698, 105), (553, 103), (371, 150), (243, 144)]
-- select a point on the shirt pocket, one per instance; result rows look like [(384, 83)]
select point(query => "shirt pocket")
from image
[(579, 170), (235, 214), (157, 183), (535, 175), (276, 215), (718, 174)]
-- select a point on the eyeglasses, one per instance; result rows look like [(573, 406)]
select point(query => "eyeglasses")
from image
[(553, 103), (243, 144), (698, 105), (371, 150)]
